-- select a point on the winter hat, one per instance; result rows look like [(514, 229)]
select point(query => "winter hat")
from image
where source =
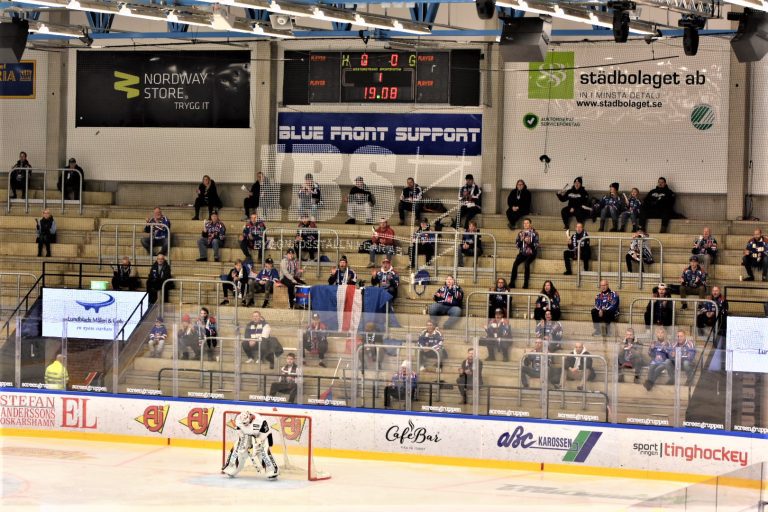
[(343, 258), (185, 318)]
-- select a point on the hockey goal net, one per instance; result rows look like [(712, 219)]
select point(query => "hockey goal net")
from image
[(292, 448)]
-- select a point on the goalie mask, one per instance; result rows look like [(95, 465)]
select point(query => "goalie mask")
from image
[(245, 418)]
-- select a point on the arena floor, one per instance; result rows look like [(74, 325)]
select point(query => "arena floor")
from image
[(52, 474)]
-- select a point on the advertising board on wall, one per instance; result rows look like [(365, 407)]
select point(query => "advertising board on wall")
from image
[(17, 80)]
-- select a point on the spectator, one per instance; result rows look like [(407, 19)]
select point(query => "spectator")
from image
[(187, 339), (307, 238), (20, 176), (631, 355), (659, 204), (499, 299), (578, 238), (578, 366), (315, 339), (360, 202), (124, 275), (470, 200), (342, 274), (263, 281), (425, 241), (252, 237), (543, 305), (207, 333), (606, 309), (238, 276), (448, 300), (56, 374), (532, 365), (432, 339), (287, 382), (213, 236), (369, 338), (208, 197), (660, 362), (72, 178), (400, 383), (687, 355), (611, 206), (310, 200), (386, 277), (158, 234), (157, 337), (45, 231), (466, 377), (754, 256), (258, 341), (498, 336), (518, 203), (382, 242), (659, 311), (705, 247), (409, 201), (632, 207), (290, 275), (253, 200), (159, 273), (710, 314), (693, 280), (639, 246), (578, 202), (550, 331), (471, 244), (528, 246)]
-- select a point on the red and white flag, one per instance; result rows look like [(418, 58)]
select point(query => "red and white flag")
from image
[(349, 307)]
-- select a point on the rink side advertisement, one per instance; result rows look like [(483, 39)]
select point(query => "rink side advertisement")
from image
[(393, 436)]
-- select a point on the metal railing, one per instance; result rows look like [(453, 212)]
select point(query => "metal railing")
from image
[(81, 271), (29, 171), (153, 226), (18, 277), (219, 285), (618, 274), (457, 242), (695, 301), (545, 414), (509, 295), (283, 247)]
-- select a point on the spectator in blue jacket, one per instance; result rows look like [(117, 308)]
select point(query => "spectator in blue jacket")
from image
[(693, 280), (448, 301), (611, 206), (159, 234), (606, 309), (471, 244), (660, 354)]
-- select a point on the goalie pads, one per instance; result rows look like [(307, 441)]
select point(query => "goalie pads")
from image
[(254, 440)]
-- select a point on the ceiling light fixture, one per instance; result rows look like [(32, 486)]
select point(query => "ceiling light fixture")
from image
[(43, 28), (135, 11)]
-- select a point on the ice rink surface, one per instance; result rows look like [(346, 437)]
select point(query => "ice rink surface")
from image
[(54, 474)]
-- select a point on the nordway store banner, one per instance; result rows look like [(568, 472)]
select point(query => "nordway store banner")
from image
[(483, 439)]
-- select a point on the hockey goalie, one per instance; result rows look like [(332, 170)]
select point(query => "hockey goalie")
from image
[(253, 442)]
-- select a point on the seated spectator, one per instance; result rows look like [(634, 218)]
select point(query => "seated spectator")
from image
[(659, 353), (631, 356), (207, 332), (659, 204), (258, 342), (466, 377), (631, 210), (253, 200), (213, 237), (208, 197), (20, 176), (399, 384), (307, 238), (518, 203), (315, 339), (528, 246), (687, 355), (543, 305), (371, 335), (45, 233), (386, 277), (238, 276), (693, 280), (606, 309), (422, 243), (157, 337), (124, 275), (252, 237), (431, 338), (659, 311), (611, 206), (382, 242), (290, 275), (72, 178), (498, 336), (639, 246), (578, 202), (287, 381), (705, 247), (159, 273), (576, 239), (532, 365), (187, 339), (471, 201), (158, 235), (409, 201), (310, 200), (360, 203), (578, 367), (263, 281), (448, 301), (499, 299), (709, 315), (342, 274), (754, 256), (471, 244), (550, 331)]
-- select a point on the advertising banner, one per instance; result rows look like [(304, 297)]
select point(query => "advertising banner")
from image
[(17, 80), (194, 89), (747, 344)]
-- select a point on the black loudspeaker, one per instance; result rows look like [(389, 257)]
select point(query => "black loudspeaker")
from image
[(620, 26), (750, 43), (485, 8), (13, 39), (524, 40), (465, 77), (690, 40)]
